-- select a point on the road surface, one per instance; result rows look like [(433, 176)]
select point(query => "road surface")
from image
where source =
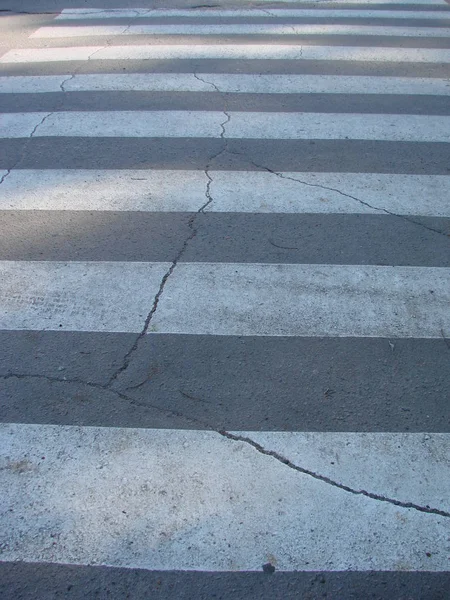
[(224, 300)]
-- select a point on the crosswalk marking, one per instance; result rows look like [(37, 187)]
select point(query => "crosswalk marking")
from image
[(228, 298), (77, 296), (274, 12), (167, 499), (226, 83), (210, 124), (239, 29), (224, 298), (228, 51), (231, 191)]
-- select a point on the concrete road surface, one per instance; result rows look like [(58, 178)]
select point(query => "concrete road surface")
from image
[(224, 299)]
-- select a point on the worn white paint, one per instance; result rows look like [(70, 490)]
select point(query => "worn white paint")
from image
[(194, 500), (305, 300), (227, 83), (237, 29), (227, 298), (330, 13), (176, 123), (410, 467), (249, 125), (227, 51), (77, 296), (232, 191), (19, 125), (106, 190)]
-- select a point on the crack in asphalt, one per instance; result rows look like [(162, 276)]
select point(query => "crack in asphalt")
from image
[(25, 147), (63, 83), (129, 355), (7, 174), (224, 148), (288, 463), (235, 438), (346, 195), (213, 85), (192, 225), (104, 388), (107, 387), (40, 123)]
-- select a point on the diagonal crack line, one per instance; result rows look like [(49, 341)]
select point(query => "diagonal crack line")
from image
[(223, 125), (63, 83), (25, 148), (213, 85), (97, 386), (132, 20), (7, 174), (98, 50), (285, 461), (231, 436), (223, 150), (209, 197), (40, 123), (129, 355), (363, 202), (191, 224)]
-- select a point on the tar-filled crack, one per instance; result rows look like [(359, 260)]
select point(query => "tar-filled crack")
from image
[(200, 424), (323, 478), (129, 355), (40, 123), (7, 174), (191, 224), (224, 148), (213, 85), (63, 83), (33, 132), (104, 388), (346, 195)]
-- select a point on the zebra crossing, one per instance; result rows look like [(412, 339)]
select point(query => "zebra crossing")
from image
[(224, 301)]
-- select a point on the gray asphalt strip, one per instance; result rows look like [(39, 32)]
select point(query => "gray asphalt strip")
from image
[(225, 237), (136, 101), (233, 383), (353, 156), (29, 581), (326, 67)]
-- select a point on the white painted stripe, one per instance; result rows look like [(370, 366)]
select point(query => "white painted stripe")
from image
[(238, 29), (195, 500), (330, 13), (247, 191), (227, 83), (14, 126), (77, 296), (232, 191), (106, 190), (305, 300), (249, 125), (227, 51), (227, 299)]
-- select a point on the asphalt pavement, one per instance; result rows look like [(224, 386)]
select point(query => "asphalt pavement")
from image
[(224, 299)]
